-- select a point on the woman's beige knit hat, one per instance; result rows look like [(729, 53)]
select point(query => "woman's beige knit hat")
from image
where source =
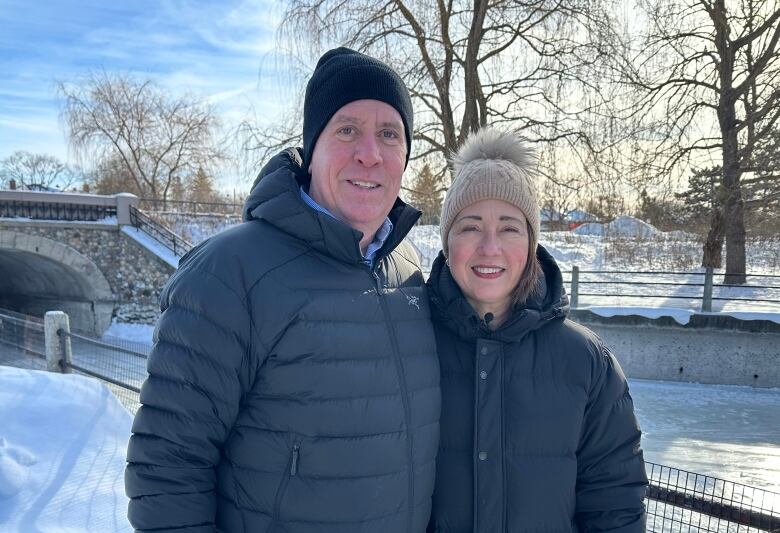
[(491, 165)]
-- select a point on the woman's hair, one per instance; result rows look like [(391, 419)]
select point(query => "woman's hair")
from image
[(527, 286)]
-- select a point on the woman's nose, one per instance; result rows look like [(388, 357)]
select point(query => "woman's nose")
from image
[(489, 244)]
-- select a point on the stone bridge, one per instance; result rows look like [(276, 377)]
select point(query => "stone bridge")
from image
[(82, 254)]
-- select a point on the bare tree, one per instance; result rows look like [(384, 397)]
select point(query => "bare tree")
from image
[(710, 75), (156, 137), (524, 66), (36, 172)]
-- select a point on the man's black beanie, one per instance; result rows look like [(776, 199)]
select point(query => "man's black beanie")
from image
[(343, 76)]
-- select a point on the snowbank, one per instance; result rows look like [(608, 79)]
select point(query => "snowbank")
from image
[(63, 442), (621, 227)]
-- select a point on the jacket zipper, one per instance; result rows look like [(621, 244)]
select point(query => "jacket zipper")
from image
[(404, 391), (289, 472)]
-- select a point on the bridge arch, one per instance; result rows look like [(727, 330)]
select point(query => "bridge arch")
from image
[(38, 274)]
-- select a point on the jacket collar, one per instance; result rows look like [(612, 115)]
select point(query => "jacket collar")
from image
[(453, 311)]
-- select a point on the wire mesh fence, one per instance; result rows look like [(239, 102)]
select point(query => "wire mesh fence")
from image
[(682, 501), (22, 342), (119, 363)]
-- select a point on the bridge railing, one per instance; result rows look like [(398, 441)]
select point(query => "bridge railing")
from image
[(159, 232), (44, 207), (39, 205)]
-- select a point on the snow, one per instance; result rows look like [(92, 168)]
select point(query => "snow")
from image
[(681, 316), (624, 226), (157, 248), (140, 333), (590, 228), (63, 443)]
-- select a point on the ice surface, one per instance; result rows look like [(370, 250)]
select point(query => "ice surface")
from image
[(726, 431)]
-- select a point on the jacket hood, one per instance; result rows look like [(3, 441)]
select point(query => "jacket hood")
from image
[(275, 198), (451, 309)]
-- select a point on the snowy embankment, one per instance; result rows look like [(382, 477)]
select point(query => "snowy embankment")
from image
[(63, 442)]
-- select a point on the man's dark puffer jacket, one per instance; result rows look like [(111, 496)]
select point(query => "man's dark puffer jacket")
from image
[(291, 387), (537, 426)]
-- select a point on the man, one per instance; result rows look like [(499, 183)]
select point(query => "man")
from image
[(293, 386)]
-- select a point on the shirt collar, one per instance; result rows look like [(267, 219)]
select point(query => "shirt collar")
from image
[(380, 236)]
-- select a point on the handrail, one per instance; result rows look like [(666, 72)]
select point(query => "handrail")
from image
[(186, 206), (159, 232)]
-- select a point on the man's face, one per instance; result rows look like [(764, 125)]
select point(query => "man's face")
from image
[(357, 164)]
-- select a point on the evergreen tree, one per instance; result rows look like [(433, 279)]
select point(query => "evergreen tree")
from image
[(426, 195)]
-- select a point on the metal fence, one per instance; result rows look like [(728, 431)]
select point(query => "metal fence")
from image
[(119, 363), (22, 342), (55, 211), (698, 291), (184, 207), (159, 232), (681, 501)]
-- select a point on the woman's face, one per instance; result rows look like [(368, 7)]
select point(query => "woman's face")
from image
[(488, 250)]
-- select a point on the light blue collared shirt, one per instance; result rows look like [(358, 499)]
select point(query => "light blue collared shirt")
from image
[(379, 238)]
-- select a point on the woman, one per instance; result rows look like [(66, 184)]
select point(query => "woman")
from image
[(537, 427)]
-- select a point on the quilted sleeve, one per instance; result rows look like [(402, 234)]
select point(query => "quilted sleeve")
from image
[(611, 479), (198, 370)]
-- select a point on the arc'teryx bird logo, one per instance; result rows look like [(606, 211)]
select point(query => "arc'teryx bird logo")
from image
[(413, 300)]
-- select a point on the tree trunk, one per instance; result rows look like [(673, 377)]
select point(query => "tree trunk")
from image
[(734, 212), (713, 246), (730, 191)]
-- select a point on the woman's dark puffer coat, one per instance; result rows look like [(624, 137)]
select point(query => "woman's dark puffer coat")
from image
[(291, 388), (538, 432)]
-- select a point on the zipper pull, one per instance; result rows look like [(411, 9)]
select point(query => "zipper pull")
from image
[(294, 464), (377, 281)]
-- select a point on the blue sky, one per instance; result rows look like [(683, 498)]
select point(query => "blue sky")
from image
[(221, 51)]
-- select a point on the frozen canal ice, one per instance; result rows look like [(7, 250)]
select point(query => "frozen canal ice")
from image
[(725, 431)]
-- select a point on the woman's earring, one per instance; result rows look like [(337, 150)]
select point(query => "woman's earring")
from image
[(447, 261)]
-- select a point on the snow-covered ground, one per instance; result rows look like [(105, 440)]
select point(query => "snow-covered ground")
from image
[(63, 442)]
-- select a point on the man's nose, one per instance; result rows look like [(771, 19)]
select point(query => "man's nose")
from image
[(367, 151)]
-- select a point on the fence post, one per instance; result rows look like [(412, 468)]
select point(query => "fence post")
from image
[(575, 286), (58, 351), (706, 300)]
